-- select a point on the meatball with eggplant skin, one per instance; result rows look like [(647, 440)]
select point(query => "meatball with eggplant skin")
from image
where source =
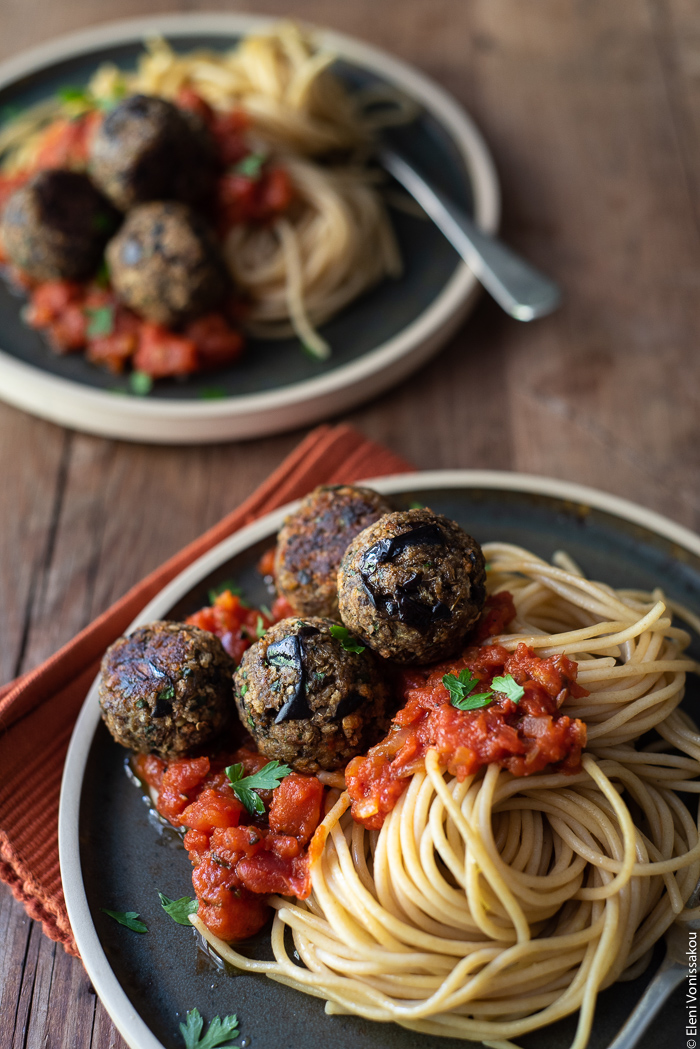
[(165, 265), (411, 586), (166, 689), (56, 226), (148, 149), (306, 699), (314, 538)]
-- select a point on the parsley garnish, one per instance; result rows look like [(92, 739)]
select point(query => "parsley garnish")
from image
[(167, 693), (509, 687), (100, 322), (75, 94), (260, 628), (212, 393), (179, 910), (416, 506), (221, 588), (127, 918), (349, 643), (140, 383), (218, 1032), (251, 166), (461, 688), (245, 787)]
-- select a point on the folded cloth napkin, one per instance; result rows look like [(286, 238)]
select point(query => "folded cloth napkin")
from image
[(39, 709)]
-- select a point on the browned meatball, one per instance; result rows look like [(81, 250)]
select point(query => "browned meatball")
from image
[(56, 226), (412, 585), (148, 149), (308, 697), (165, 265), (313, 540), (166, 689)]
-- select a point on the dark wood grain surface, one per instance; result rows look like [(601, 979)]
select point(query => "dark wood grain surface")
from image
[(592, 111)]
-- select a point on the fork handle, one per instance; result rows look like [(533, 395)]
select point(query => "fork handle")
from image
[(518, 288), (668, 977)]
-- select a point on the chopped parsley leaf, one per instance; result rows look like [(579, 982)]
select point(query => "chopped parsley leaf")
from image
[(140, 383), (461, 688), (349, 643), (75, 94), (251, 166), (245, 787), (509, 687), (100, 322), (179, 910), (218, 1032), (127, 918), (260, 628), (221, 588)]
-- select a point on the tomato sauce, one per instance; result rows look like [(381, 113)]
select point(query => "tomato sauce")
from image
[(523, 737), (237, 859), (236, 623), (64, 310)]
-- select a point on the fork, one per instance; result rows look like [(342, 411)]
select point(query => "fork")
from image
[(518, 288), (672, 971)]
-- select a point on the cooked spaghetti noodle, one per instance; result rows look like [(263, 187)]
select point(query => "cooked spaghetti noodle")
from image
[(336, 240), (487, 908)]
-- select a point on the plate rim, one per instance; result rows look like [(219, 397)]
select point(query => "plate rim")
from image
[(125, 1017), (32, 388)]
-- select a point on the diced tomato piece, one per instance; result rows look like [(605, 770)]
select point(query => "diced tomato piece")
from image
[(212, 809), (231, 844), (196, 841), (49, 300), (296, 806), (266, 872), (217, 342), (180, 778), (277, 192), (266, 564), (160, 353), (188, 98), (66, 142), (234, 914), (281, 609), (229, 130), (150, 769), (68, 332)]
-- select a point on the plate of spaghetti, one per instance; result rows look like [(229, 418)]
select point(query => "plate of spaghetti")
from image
[(196, 241), (406, 764)]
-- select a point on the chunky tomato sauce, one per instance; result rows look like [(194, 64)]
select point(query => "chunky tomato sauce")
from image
[(524, 738), (238, 859), (236, 623), (120, 340)]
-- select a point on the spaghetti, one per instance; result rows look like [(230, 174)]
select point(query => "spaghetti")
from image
[(492, 906)]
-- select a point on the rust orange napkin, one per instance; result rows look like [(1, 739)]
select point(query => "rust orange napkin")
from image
[(38, 710)]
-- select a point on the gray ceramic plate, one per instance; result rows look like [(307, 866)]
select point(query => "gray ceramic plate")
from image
[(112, 856), (376, 341)]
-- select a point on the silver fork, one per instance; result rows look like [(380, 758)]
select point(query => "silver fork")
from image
[(672, 971)]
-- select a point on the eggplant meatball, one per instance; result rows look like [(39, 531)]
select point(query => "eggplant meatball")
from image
[(165, 265), (56, 226), (166, 689), (148, 149), (412, 585), (313, 540), (306, 699)]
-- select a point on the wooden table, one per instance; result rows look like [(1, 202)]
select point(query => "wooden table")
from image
[(592, 111)]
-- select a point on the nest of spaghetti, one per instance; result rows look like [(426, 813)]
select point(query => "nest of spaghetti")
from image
[(511, 833), (154, 217)]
